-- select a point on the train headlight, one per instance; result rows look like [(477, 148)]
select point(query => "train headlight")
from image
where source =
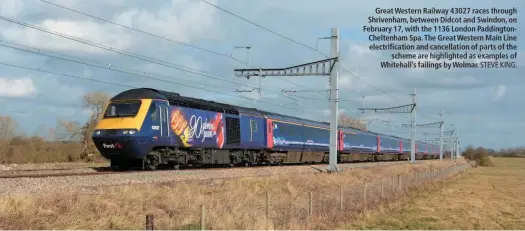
[(131, 132), (97, 133)]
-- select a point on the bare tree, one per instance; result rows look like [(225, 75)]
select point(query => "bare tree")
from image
[(71, 131), (347, 121), (51, 134), (68, 131), (8, 128), (95, 102), (40, 131)]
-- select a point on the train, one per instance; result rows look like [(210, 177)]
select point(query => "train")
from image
[(151, 128)]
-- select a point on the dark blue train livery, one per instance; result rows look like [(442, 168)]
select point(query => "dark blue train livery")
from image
[(150, 127)]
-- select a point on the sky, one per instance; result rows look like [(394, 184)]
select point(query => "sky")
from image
[(485, 106)]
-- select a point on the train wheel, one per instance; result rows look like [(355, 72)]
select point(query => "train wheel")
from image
[(119, 165), (113, 164), (150, 167), (150, 163)]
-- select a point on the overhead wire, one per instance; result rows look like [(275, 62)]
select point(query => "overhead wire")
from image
[(104, 66), (294, 97), (114, 50), (299, 43), (125, 85), (85, 62), (143, 32), (162, 37), (141, 57)]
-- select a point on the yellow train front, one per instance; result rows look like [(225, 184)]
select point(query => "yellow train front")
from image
[(133, 122)]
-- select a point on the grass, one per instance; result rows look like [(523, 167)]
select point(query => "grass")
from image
[(482, 198), (230, 204)]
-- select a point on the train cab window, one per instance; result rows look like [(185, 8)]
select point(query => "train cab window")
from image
[(122, 109)]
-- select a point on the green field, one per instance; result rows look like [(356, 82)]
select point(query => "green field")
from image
[(481, 198)]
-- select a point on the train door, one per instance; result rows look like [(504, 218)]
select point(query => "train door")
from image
[(341, 143), (269, 134), (378, 144), (163, 121)]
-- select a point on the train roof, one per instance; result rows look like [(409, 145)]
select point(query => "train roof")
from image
[(249, 111), (175, 99), (357, 131), (277, 116)]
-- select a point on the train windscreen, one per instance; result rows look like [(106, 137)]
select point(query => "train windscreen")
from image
[(122, 109)]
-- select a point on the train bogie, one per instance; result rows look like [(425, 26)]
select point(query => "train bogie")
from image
[(293, 157)]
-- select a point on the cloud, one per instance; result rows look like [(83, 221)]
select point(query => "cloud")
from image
[(17, 87), (60, 88), (183, 21), (11, 8), (499, 92), (327, 112), (87, 30)]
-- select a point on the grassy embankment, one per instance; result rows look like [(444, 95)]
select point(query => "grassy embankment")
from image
[(230, 204)]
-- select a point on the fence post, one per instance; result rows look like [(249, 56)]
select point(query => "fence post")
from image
[(398, 182), (382, 190), (203, 216), (364, 196), (341, 196), (310, 209), (150, 222), (267, 210), (414, 178), (393, 185)]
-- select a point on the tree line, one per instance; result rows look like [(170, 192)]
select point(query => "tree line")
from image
[(481, 155)]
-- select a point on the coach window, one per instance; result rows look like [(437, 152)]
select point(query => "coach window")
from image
[(154, 112)]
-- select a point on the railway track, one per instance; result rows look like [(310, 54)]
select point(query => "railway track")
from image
[(35, 175), (108, 171)]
